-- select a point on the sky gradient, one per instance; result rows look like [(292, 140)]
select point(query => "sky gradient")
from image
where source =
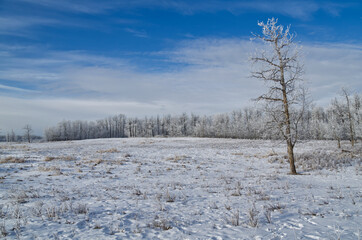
[(91, 59)]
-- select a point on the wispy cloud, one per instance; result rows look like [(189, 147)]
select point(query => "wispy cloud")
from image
[(30, 26), (137, 33), (127, 21), (215, 66), (18, 22), (329, 67), (210, 76), (10, 88), (19, 25), (89, 7), (292, 8)]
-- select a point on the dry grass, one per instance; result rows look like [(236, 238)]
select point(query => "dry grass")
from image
[(98, 161), (170, 197), (252, 215), (147, 142), (319, 159), (270, 154), (48, 169), (237, 191), (111, 150), (15, 146), (238, 154), (3, 230), (160, 223), (81, 209), (11, 159), (274, 207), (235, 218), (49, 158), (94, 162), (64, 158), (68, 158), (176, 158), (278, 158)]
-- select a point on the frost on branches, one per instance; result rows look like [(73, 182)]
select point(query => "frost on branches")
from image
[(278, 65)]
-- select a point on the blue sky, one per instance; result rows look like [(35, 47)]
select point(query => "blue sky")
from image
[(90, 59)]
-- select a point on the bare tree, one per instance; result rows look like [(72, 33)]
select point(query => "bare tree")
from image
[(11, 137), (28, 130), (337, 121), (346, 95), (278, 65), (357, 115)]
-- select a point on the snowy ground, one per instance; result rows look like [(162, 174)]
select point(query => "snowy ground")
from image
[(178, 188)]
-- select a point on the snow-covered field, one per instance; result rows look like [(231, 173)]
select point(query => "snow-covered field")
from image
[(179, 188)]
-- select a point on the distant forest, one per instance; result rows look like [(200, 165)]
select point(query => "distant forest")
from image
[(339, 121)]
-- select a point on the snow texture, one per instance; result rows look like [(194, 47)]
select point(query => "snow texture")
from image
[(179, 188)]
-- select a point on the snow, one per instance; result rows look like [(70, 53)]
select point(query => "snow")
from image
[(178, 188)]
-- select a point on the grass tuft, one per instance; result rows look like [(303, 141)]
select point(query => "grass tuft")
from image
[(11, 159)]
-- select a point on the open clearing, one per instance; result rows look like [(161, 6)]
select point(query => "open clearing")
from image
[(179, 188)]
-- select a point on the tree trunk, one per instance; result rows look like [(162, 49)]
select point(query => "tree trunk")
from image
[(286, 113), (351, 127), (293, 171), (351, 130), (289, 137)]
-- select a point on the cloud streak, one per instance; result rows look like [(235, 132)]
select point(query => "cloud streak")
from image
[(10, 88), (21, 25), (78, 6), (137, 33)]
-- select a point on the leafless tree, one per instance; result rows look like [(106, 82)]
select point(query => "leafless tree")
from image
[(345, 117), (346, 95), (279, 66), (28, 130), (336, 121), (357, 115), (11, 137)]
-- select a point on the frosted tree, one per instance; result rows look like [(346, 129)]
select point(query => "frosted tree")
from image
[(336, 121), (357, 102), (350, 116), (27, 132), (317, 123), (11, 137), (278, 65), (348, 111)]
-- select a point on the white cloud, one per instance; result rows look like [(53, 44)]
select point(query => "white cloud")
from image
[(330, 67), (209, 76)]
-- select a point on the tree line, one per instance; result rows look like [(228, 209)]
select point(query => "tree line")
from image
[(28, 136), (340, 121)]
